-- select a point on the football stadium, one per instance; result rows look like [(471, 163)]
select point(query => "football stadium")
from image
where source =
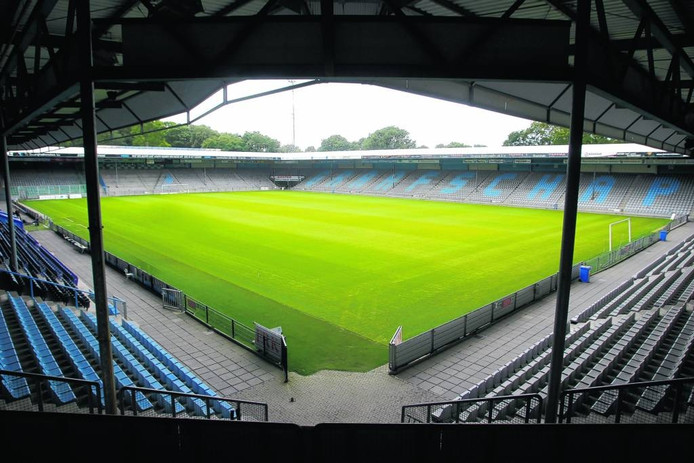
[(485, 303)]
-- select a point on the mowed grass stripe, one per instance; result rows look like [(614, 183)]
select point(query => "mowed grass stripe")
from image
[(363, 264)]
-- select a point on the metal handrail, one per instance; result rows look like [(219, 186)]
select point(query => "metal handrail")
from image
[(90, 294), (458, 403), (132, 390), (40, 379), (620, 388)]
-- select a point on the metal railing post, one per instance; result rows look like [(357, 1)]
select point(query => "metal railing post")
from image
[(40, 392), (133, 395), (618, 409), (676, 406)]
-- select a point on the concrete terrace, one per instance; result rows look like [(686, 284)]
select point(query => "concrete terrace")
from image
[(332, 396)]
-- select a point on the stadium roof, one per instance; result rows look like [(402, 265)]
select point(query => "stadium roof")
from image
[(157, 58), (546, 151)]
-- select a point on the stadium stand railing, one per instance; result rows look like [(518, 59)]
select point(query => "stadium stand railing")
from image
[(669, 401), (38, 400), (243, 410), (452, 411), (404, 354), (61, 373), (221, 323), (26, 285), (623, 361)]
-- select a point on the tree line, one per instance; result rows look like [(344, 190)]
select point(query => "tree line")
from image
[(170, 134)]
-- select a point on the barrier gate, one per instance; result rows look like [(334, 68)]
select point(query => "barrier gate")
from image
[(173, 299)]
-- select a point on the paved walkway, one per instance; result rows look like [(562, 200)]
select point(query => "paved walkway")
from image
[(331, 396), (466, 364)]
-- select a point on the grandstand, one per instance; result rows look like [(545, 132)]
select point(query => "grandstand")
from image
[(625, 179), (622, 69), (609, 327)]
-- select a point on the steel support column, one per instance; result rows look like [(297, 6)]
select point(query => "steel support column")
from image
[(570, 209), (91, 173), (8, 199)]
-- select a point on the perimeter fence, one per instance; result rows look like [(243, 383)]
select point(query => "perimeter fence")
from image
[(268, 344)]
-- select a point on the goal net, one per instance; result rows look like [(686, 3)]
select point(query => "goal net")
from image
[(620, 231)]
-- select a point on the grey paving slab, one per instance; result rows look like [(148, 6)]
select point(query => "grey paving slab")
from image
[(332, 396), (481, 355), (200, 349)]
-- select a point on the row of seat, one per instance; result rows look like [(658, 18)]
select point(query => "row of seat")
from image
[(15, 386), (664, 281), (70, 349), (181, 374), (625, 301), (49, 275), (62, 392), (87, 338), (507, 378), (136, 368), (168, 379), (73, 339), (637, 362), (669, 366), (598, 350), (577, 343), (649, 195)]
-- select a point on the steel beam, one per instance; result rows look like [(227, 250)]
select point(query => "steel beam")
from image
[(573, 174), (641, 9), (360, 46), (91, 173), (8, 201)]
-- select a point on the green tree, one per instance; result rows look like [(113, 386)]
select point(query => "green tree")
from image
[(225, 142), (152, 134), (189, 136), (120, 137), (179, 137), (336, 143), (311, 149), (541, 133), (290, 149), (257, 142), (200, 133), (453, 144), (388, 138)]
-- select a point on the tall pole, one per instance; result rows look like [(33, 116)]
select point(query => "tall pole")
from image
[(293, 118), (91, 174), (570, 210), (8, 200)]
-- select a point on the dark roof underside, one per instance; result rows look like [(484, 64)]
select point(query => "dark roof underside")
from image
[(157, 58)]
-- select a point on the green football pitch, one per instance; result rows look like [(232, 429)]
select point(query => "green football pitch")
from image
[(338, 273)]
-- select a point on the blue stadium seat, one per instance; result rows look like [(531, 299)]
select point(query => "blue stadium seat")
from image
[(73, 352), (87, 337), (62, 391)]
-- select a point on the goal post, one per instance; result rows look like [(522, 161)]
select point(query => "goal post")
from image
[(628, 221), (171, 188)]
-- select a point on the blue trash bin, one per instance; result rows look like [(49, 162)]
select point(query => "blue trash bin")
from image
[(663, 235), (584, 273)]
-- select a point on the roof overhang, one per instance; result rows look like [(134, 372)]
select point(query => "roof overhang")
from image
[(513, 57)]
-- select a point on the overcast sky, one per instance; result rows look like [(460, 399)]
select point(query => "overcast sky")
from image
[(308, 115)]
